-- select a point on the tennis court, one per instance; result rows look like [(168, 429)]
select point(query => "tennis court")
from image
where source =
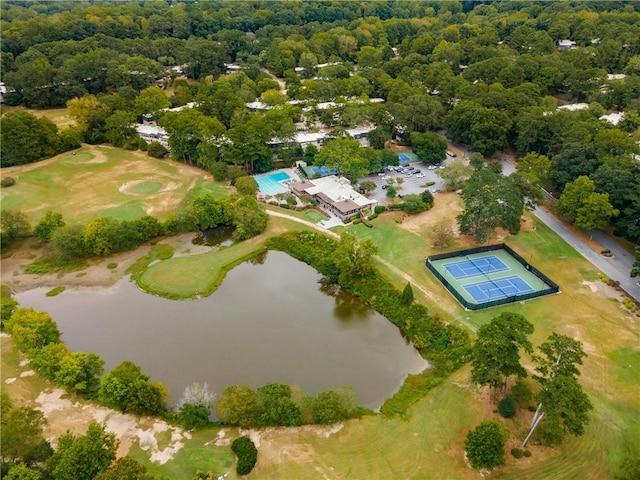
[(473, 267), (496, 289), (407, 157), (314, 171), (488, 276)]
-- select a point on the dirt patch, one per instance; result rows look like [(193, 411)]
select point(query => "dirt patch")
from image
[(394, 147), (96, 274), (62, 414)]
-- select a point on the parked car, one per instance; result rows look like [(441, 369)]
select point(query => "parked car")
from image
[(451, 154), (420, 175), (385, 186), (416, 171)]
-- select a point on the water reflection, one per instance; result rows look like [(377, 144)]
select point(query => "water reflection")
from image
[(214, 237)]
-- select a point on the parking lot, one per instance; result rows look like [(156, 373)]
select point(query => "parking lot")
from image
[(411, 182)]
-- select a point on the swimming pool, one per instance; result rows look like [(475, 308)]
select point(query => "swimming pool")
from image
[(271, 183)]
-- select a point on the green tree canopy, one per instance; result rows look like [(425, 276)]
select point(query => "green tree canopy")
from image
[(490, 200), (430, 147), (496, 354), (485, 446), (83, 457)]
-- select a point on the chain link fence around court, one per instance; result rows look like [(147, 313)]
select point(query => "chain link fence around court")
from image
[(519, 266)]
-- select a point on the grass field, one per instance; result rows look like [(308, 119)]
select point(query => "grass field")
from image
[(429, 444), (59, 116), (104, 181)]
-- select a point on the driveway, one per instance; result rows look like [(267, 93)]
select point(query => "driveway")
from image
[(617, 268)]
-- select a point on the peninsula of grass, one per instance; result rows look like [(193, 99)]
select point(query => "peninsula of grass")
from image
[(56, 291), (195, 276)]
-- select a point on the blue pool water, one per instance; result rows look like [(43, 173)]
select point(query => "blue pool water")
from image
[(270, 184)]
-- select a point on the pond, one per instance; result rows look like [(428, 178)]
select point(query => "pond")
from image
[(273, 319)]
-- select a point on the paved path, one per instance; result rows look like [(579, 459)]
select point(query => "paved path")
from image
[(617, 268)]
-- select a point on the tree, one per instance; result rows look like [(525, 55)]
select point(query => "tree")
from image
[(80, 372), (90, 115), (496, 354), (413, 203), (344, 155), (13, 225), (368, 186), (574, 196), (116, 386), (83, 457), (238, 406), (595, 212), (276, 406), (247, 185), (535, 169), (157, 150), (559, 357), (21, 471), (333, 406), (406, 298), (48, 225), (99, 236), (490, 200), (247, 454), (485, 446), (32, 330), (68, 242), (430, 147), (125, 468), (392, 192), (150, 101), (147, 398), (455, 174), (441, 236), (249, 218), (120, 128), (22, 431), (195, 406), (25, 138), (353, 259)]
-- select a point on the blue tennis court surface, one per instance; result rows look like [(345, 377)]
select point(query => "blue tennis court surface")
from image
[(271, 184), (477, 266), (402, 158), (323, 171), (496, 289)]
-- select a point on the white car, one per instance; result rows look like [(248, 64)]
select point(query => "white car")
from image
[(419, 175)]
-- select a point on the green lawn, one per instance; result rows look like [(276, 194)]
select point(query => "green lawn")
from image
[(104, 181)]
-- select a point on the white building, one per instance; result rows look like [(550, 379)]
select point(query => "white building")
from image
[(613, 117), (336, 195), (566, 44)]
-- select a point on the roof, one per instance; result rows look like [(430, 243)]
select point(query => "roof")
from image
[(613, 117), (574, 107), (337, 191), (143, 129)]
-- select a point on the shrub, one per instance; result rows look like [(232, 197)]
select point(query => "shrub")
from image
[(247, 454), (517, 453), (372, 217), (507, 407), (7, 182), (379, 209), (156, 150), (527, 453)]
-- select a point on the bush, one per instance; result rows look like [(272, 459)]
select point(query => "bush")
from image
[(507, 407), (527, 453), (517, 453), (156, 150), (372, 217), (379, 209), (247, 454), (7, 182)]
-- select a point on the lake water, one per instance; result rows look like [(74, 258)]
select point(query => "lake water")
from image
[(271, 320)]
